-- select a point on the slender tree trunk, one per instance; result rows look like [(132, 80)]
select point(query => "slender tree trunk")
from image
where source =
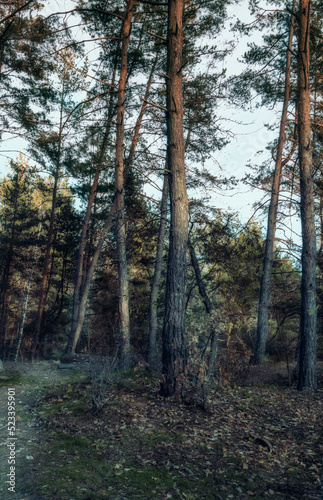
[(266, 278), (208, 308), (5, 287), (307, 375), (174, 357), (5, 299), (154, 292), (80, 271), (42, 291), (200, 284), (123, 278), (44, 281), (23, 314), (88, 276), (4, 319), (73, 340)]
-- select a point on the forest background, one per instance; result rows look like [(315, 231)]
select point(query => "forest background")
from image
[(91, 248)]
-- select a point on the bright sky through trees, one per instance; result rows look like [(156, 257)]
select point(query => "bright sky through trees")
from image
[(248, 134)]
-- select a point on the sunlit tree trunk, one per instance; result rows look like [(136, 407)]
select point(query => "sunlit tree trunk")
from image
[(266, 278), (307, 374), (23, 314), (174, 356)]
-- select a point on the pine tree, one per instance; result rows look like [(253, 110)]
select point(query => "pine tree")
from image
[(307, 374), (265, 287), (174, 344), (17, 221)]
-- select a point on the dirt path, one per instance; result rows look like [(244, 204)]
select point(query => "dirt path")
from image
[(27, 432)]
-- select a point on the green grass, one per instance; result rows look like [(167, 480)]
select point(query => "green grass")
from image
[(138, 447), (161, 436), (75, 470), (11, 379)]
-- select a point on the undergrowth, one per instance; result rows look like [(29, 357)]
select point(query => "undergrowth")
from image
[(252, 442)]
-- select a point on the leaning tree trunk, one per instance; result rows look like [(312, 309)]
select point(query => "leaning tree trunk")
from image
[(174, 356), (209, 309), (88, 275), (154, 292), (199, 280), (43, 284), (307, 375), (80, 265), (266, 278)]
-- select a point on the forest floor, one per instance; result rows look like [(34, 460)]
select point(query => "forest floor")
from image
[(259, 440)]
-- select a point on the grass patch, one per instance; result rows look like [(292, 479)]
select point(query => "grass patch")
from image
[(11, 379), (161, 436), (141, 446), (76, 470)]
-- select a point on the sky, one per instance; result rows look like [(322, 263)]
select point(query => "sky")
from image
[(247, 128), (250, 136)]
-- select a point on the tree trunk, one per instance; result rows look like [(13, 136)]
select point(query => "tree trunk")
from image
[(88, 276), (153, 322), (307, 375), (209, 310), (174, 357), (200, 284), (266, 278), (123, 278), (80, 266), (23, 314), (154, 292), (5, 286), (5, 299), (42, 291)]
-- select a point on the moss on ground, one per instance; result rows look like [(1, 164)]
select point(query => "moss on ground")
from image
[(11, 379), (141, 446)]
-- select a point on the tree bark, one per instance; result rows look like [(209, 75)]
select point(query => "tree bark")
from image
[(42, 290), (174, 356), (5, 288), (80, 266), (154, 292), (307, 374), (153, 323), (88, 276), (266, 278), (123, 278), (208, 308), (200, 284)]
